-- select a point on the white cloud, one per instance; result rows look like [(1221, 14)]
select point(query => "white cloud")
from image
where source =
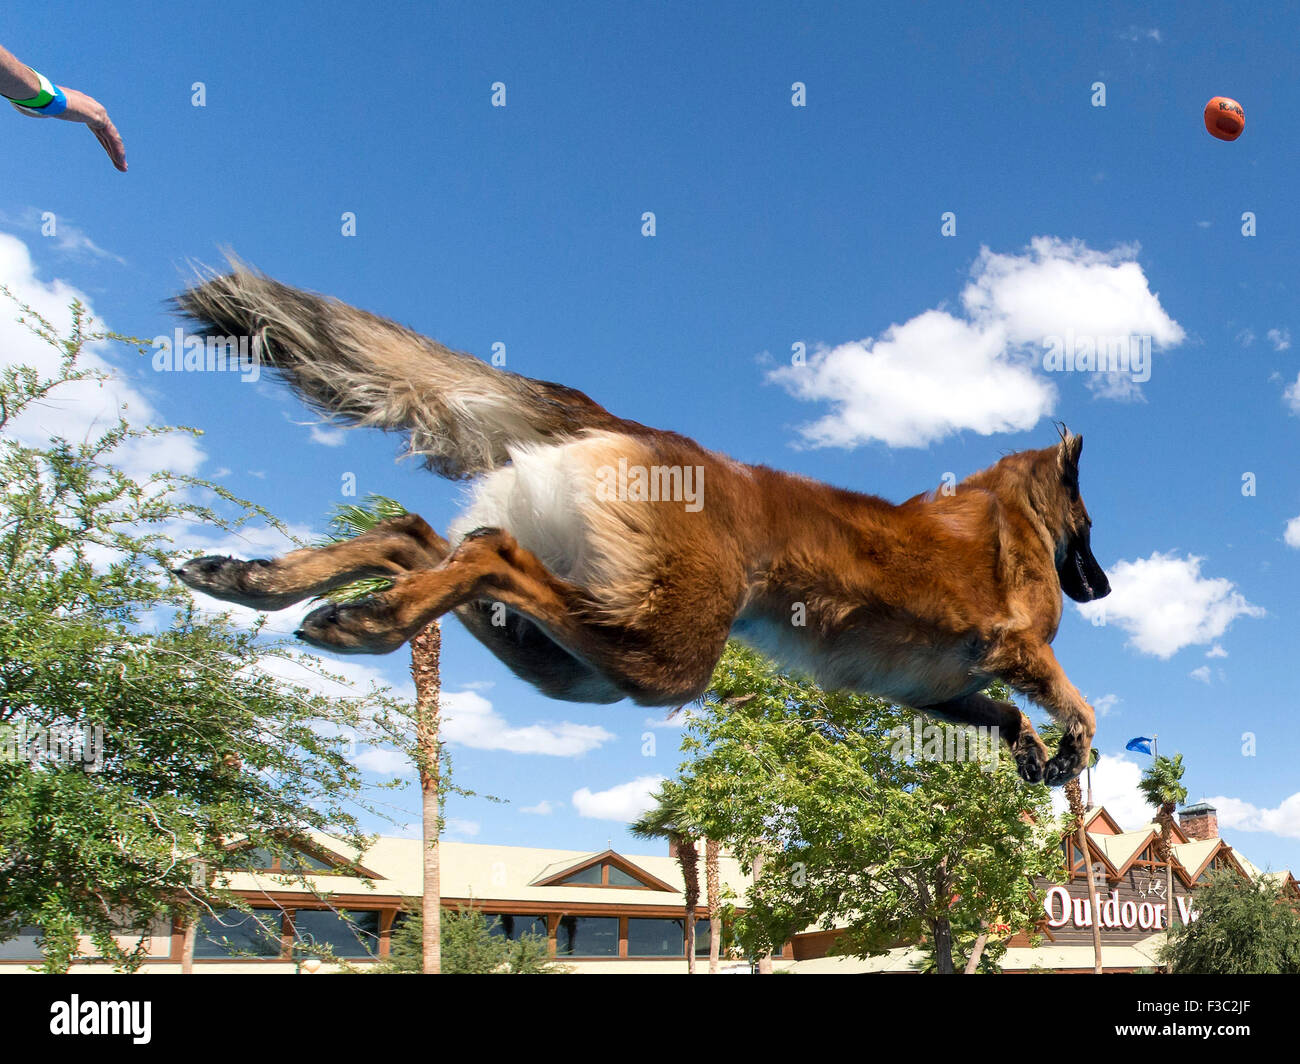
[(79, 409), (458, 826), (469, 719), (327, 437), (938, 373), (330, 678), (60, 231), (624, 802), (1246, 337), (1105, 705), (1164, 603), (1216, 651), (543, 808), (250, 541), (1292, 533), (1283, 820), (1114, 785), (1135, 33), (384, 761), (1279, 338), (1202, 674), (1061, 287)]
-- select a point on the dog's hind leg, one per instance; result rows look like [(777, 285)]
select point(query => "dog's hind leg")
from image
[(666, 658), (390, 549), (1013, 728), (1034, 671), (534, 656)]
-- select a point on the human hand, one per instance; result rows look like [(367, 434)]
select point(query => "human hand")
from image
[(90, 112)]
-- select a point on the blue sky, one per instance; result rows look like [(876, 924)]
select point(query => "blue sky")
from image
[(775, 225)]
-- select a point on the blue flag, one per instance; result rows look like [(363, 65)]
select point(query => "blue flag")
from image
[(1141, 745)]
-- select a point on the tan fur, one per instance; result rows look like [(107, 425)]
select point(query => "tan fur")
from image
[(595, 598)]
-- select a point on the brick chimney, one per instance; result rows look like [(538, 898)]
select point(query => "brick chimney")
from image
[(1199, 821)]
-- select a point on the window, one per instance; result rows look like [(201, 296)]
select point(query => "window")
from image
[(702, 932), (23, 946), (261, 859), (619, 878), (239, 934), (656, 938), (301, 861), (515, 927), (346, 933), (588, 875), (258, 857), (587, 936), (605, 873)]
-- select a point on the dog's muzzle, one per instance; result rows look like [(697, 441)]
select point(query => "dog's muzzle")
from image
[(1081, 577)]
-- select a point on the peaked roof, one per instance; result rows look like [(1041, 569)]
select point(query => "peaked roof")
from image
[(1178, 836), (1100, 811), (1121, 849), (490, 873), (558, 871), (1282, 879), (1195, 855)]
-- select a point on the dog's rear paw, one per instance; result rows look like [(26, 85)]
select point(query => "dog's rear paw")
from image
[(232, 580), (1029, 752), (1030, 761), (356, 628)]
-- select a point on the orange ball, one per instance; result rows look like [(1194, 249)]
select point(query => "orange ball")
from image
[(1224, 118)]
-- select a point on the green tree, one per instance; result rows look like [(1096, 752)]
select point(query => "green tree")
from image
[(1161, 785), (469, 947), (197, 746), (668, 819), (1244, 928), (348, 522), (855, 832)]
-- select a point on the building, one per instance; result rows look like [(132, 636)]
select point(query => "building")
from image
[(600, 911), (1132, 893), (606, 912)]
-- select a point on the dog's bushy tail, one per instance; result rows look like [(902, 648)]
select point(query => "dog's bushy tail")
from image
[(360, 369)]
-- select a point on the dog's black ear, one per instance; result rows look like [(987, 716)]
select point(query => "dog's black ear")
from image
[(1067, 455)]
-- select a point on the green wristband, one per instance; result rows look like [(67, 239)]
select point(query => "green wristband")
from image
[(43, 96)]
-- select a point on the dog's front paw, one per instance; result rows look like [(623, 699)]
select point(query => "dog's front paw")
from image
[(359, 628), (232, 580), (1069, 761)]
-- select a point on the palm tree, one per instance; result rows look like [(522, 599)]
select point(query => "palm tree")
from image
[(713, 899), (666, 819), (1162, 787), (348, 522), (1074, 795)]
